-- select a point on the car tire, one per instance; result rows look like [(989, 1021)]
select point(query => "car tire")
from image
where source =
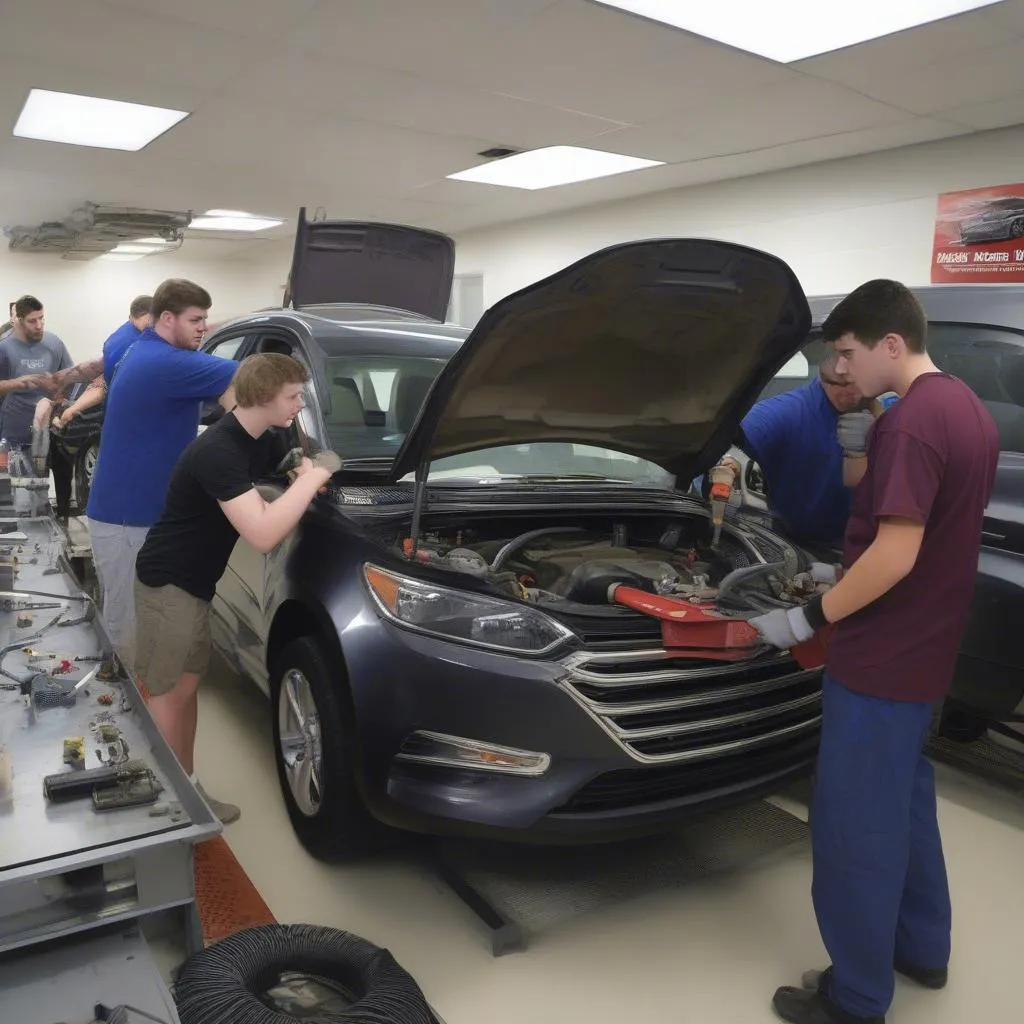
[(85, 467), (1017, 228), (315, 744), (953, 721)]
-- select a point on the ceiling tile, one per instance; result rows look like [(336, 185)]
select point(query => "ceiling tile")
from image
[(453, 110), (257, 18), (996, 114), (770, 117), (98, 37)]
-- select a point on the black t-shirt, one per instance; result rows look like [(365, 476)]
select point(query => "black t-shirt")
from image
[(189, 546)]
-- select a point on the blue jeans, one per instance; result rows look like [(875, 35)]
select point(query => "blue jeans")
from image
[(880, 889)]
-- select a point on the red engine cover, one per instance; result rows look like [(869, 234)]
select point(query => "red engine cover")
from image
[(691, 630)]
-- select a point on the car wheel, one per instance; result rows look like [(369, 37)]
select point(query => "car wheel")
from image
[(314, 746), (85, 468), (1017, 228)]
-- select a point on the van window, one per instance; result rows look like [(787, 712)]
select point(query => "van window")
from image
[(990, 361)]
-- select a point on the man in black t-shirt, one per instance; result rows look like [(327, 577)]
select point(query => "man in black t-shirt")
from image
[(212, 500)]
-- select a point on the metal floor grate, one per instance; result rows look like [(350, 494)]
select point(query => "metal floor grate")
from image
[(537, 888), (985, 758)]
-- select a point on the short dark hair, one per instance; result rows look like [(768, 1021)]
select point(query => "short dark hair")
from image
[(26, 306), (141, 305), (176, 295), (875, 309), (260, 378)]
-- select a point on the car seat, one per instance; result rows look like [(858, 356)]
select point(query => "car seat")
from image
[(346, 405), (410, 394)]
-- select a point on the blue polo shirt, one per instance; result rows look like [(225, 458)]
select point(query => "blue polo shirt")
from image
[(793, 438), (152, 415), (115, 347)]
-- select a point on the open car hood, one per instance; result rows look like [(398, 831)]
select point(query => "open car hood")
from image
[(393, 265), (655, 348)]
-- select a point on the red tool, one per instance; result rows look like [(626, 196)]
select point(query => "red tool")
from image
[(692, 630)]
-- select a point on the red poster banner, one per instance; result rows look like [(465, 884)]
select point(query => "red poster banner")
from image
[(979, 236)]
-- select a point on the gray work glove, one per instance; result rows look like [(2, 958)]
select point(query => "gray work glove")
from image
[(852, 430), (783, 627), (822, 572)]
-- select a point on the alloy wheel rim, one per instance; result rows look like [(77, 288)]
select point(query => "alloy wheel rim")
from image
[(301, 745)]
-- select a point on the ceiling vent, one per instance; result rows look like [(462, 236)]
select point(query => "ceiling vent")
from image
[(497, 152), (95, 229)]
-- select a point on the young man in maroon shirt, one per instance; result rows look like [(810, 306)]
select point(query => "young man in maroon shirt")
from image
[(911, 555)]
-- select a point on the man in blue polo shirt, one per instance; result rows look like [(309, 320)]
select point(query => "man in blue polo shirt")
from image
[(140, 316), (152, 414), (800, 440)]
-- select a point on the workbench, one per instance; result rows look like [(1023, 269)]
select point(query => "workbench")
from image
[(68, 869)]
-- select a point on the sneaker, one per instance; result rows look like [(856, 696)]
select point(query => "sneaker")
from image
[(805, 1006), (225, 813), (930, 977)]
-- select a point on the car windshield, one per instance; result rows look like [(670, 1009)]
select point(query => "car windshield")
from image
[(551, 461), (373, 401)]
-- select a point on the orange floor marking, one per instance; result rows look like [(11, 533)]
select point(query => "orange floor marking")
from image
[(228, 901)]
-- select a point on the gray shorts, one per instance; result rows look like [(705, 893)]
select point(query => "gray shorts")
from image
[(114, 550), (172, 636)]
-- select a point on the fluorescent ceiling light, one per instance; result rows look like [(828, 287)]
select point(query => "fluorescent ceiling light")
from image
[(244, 222), (553, 165), (154, 241), (789, 30), (132, 247), (120, 257), (227, 213), (89, 121)]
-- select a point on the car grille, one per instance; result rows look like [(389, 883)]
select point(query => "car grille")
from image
[(664, 710), (636, 787)]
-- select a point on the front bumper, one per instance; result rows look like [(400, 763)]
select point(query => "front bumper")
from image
[(638, 741)]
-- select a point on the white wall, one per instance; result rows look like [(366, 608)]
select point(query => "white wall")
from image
[(837, 223), (85, 302)]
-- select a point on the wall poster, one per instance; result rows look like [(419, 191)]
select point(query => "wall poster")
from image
[(979, 236)]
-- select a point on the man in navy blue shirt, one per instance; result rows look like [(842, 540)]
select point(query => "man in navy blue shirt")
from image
[(800, 439), (152, 415)]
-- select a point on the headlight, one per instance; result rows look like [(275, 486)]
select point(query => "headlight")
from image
[(464, 617)]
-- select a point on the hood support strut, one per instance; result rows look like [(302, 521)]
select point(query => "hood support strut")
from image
[(422, 472)]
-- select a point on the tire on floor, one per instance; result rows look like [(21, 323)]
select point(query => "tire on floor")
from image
[(228, 982)]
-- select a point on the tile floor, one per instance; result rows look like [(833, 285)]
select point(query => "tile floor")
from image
[(710, 952)]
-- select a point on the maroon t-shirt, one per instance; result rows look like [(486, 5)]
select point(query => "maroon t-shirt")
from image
[(931, 458)]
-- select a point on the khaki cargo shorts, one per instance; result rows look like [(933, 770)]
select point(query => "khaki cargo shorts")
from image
[(172, 636)]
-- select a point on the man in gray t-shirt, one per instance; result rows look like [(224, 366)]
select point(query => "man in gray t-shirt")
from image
[(29, 356)]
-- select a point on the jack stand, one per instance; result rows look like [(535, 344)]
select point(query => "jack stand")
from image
[(506, 936)]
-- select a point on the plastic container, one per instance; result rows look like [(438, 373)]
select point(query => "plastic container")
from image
[(4, 449)]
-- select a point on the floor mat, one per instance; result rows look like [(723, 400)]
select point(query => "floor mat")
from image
[(985, 758), (228, 901)]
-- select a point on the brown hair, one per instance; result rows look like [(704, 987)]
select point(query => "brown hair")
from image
[(876, 309), (26, 306), (260, 378), (141, 305), (176, 295)]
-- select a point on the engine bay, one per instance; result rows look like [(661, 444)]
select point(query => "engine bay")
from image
[(578, 567)]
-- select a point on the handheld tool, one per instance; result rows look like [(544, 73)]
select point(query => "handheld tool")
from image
[(722, 478)]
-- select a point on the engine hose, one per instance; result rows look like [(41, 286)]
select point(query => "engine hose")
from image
[(744, 575), (228, 982), (524, 538)]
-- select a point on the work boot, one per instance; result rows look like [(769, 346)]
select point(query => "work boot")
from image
[(809, 1006), (224, 813), (929, 977)]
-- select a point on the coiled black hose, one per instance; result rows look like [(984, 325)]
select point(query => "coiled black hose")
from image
[(228, 982)]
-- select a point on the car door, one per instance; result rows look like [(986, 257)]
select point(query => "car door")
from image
[(990, 669), (242, 592)]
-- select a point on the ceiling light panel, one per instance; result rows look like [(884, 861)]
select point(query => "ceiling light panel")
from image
[(89, 121), (791, 30), (551, 166), (234, 223)]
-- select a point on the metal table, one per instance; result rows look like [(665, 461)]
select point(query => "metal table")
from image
[(65, 867)]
